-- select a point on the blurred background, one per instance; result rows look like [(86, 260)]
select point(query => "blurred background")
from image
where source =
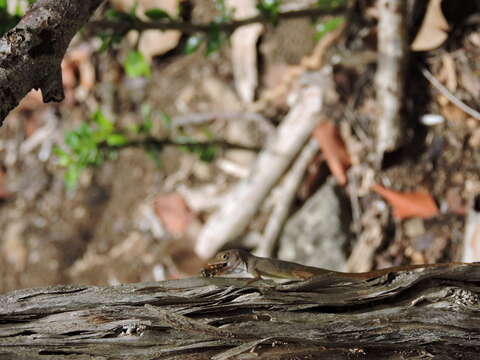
[(171, 145)]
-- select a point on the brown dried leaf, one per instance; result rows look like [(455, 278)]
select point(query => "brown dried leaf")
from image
[(173, 212), (406, 205), (334, 150), (4, 194), (433, 31), (449, 70)]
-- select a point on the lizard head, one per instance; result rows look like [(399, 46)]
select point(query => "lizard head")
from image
[(226, 262)]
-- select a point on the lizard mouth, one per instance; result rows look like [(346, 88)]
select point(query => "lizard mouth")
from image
[(213, 269)]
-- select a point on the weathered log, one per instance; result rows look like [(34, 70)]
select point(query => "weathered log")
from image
[(403, 314)]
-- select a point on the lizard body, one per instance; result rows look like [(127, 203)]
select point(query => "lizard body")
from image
[(236, 260)]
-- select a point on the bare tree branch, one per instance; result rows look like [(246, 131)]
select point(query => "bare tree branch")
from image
[(31, 52), (192, 28)]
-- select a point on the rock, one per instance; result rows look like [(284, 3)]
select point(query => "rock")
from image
[(318, 233)]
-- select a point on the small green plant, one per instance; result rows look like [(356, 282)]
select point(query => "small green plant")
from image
[(324, 27), (136, 65), (86, 147), (93, 143), (270, 9)]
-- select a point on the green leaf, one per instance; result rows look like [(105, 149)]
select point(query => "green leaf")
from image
[(109, 40), (157, 14), (193, 43), (321, 29), (208, 153), (64, 158), (147, 126), (270, 9), (71, 176), (215, 39), (116, 139), (136, 65), (114, 15), (330, 4), (72, 139), (3, 4), (103, 123), (167, 120)]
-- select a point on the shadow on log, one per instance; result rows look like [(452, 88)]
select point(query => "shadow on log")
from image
[(417, 314)]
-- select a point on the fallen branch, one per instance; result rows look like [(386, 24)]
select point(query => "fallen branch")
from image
[(427, 311), (31, 52)]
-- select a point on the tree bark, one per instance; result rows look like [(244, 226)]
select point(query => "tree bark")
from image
[(31, 52), (403, 314)]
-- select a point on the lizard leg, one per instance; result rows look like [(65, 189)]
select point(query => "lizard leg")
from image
[(256, 275)]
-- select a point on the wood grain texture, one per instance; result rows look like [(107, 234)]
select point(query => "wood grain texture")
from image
[(427, 311)]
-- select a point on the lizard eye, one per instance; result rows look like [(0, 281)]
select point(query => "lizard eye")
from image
[(225, 257)]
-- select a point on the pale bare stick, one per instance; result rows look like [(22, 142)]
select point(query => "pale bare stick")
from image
[(453, 99), (287, 190)]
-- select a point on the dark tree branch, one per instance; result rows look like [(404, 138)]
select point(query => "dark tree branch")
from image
[(192, 28), (156, 143), (401, 315), (31, 52)]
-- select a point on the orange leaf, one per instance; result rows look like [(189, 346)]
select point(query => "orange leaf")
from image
[(334, 150), (411, 204), (173, 212)]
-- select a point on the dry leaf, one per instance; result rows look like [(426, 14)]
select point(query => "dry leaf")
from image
[(433, 31), (244, 50), (334, 150), (449, 71), (173, 212), (408, 204)]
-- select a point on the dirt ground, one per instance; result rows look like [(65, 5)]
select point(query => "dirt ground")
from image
[(109, 230)]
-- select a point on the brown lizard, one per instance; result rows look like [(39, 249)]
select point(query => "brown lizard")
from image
[(237, 260)]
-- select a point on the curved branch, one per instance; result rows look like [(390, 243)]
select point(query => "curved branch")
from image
[(31, 52)]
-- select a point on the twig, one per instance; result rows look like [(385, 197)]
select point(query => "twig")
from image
[(192, 28), (200, 118), (160, 143), (287, 190), (453, 99)]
